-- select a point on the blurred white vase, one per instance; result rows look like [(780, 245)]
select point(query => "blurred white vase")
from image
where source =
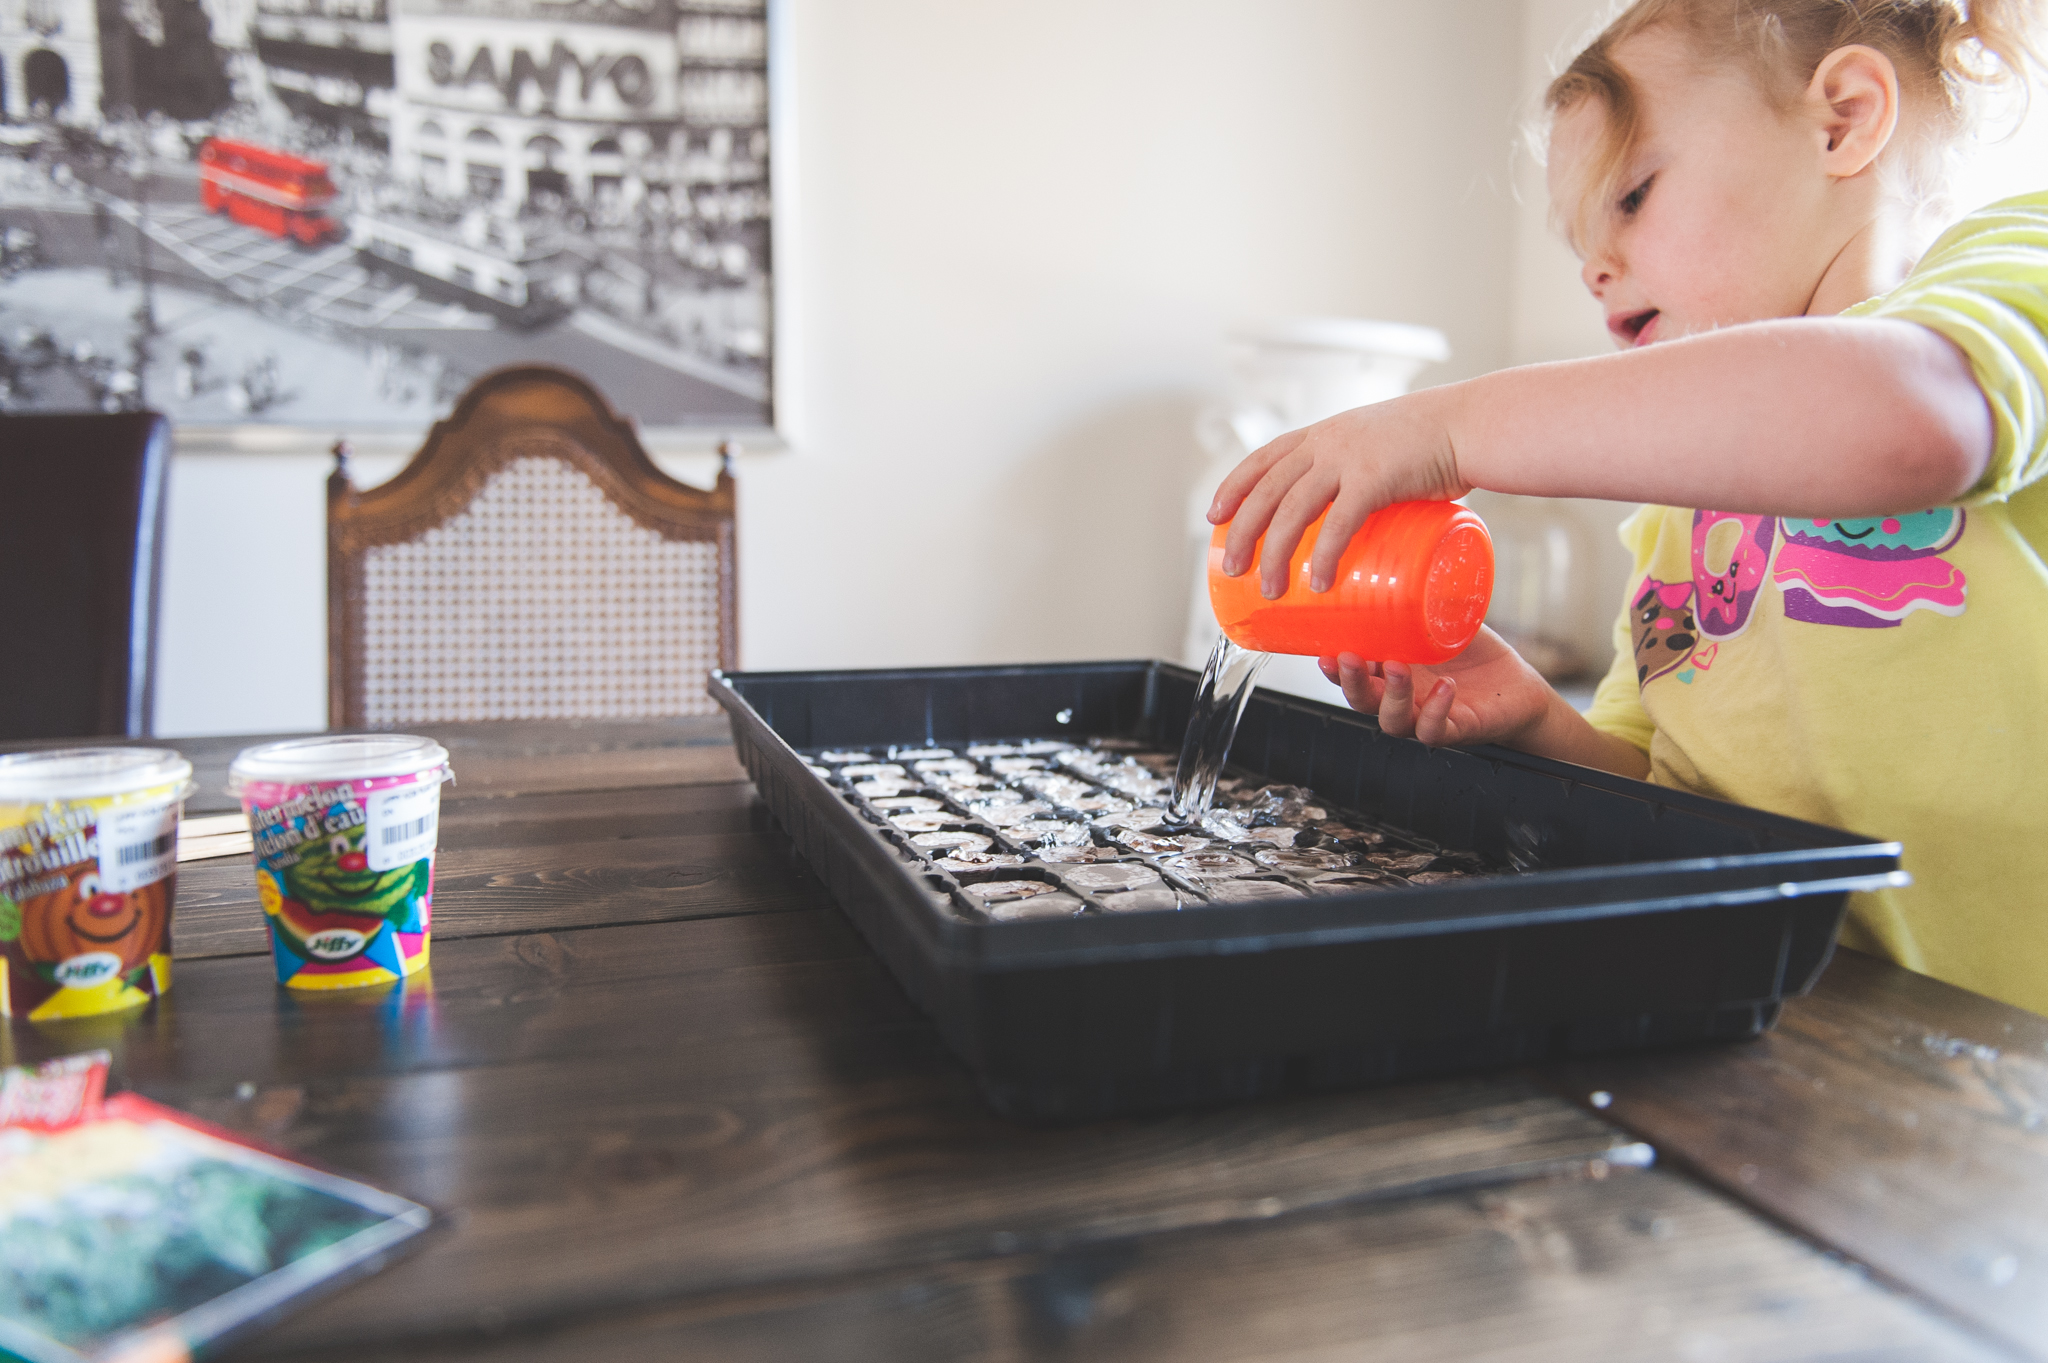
[(1283, 376)]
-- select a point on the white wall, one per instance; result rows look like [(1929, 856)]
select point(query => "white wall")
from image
[(242, 634), (1023, 230), (1020, 232)]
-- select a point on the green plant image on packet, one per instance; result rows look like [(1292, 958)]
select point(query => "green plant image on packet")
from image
[(119, 1225), (335, 876)]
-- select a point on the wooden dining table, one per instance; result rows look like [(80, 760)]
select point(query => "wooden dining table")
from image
[(666, 1103)]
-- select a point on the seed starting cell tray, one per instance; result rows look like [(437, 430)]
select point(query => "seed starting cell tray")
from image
[(1368, 908)]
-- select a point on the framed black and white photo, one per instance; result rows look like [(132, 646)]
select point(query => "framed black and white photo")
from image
[(338, 213)]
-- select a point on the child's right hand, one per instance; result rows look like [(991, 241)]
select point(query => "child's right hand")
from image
[(1487, 694), (1354, 463)]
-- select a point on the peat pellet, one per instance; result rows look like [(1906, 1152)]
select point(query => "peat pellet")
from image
[(1050, 831), (1350, 882), (1008, 816), (1076, 855), (951, 840), (964, 860), (923, 822), (1248, 891), (1043, 906), (1150, 898), (1107, 877), (882, 787), (1100, 806), (1304, 859), (909, 804), (1158, 845), (1009, 889), (1209, 864)]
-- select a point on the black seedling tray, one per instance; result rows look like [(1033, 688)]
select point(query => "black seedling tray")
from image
[(1652, 917)]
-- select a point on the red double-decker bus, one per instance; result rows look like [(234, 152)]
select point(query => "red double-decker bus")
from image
[(272, 191)]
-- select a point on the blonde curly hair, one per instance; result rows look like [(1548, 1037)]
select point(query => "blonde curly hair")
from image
[(1948, 54)]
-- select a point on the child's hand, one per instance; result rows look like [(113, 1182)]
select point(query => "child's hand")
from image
[(1355, 463), (1487, 694)]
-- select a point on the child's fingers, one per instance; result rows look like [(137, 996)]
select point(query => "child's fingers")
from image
[(1242, 479), (1397, 700), (1433, 724), (1305, 500), (1348, 511), (1363, 686), (1255, 512)]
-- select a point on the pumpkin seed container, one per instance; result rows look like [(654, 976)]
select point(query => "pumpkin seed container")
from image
[(344, 829), (88, 873)]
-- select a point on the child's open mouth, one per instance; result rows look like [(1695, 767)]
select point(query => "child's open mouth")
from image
[(1633, 327)]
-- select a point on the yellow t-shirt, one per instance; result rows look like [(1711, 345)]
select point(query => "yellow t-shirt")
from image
[(1887, 675)]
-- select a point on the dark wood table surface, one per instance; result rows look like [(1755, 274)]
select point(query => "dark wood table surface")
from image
[(670, 1106)]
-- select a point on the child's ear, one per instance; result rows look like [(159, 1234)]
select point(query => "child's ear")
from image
[(1853, 99)]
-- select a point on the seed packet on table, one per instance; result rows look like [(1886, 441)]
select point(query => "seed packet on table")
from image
[(130, 1232)]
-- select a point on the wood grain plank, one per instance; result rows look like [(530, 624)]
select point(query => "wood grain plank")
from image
[(523, 887), (1634, 1265), (488, 773), (603, 815), (617, 1117), (500, 756), (1899, 1119)]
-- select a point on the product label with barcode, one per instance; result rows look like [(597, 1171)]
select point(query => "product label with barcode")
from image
[(138, 845), (402, 824)]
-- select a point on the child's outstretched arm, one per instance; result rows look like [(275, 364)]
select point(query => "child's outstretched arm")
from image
[(1836, 417), (1800, 417)]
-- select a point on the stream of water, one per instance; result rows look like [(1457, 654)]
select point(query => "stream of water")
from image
[(1219, 703)]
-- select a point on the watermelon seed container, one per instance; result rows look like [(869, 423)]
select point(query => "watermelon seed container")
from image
[(345, 828)]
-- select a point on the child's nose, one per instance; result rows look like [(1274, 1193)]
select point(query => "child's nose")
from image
[(1598, 274)]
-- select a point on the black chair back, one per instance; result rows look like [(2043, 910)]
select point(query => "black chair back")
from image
[(81, 551)]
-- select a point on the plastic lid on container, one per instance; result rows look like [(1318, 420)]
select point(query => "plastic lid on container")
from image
[(334, 757), (87, 773)]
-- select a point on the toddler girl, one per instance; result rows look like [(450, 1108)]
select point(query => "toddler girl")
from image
[(1858, 633)]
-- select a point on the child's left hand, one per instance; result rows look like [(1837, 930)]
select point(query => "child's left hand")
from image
[(1354, 463), (1487, 694)]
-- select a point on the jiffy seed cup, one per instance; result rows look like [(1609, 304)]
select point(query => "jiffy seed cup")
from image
[(88, 872), (344, 828)]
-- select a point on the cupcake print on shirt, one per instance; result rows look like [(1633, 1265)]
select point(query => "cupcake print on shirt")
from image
[(1871, 573)]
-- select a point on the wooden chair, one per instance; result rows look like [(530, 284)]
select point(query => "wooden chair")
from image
[(81, 554), (531, 562)]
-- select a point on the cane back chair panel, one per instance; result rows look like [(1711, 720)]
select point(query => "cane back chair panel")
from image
[(531, 562)]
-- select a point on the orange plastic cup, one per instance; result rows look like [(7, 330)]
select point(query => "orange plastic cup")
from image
[(1413, 587)]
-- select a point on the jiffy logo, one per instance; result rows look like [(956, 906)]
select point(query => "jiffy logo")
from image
[(88, 969), (336, 944)]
